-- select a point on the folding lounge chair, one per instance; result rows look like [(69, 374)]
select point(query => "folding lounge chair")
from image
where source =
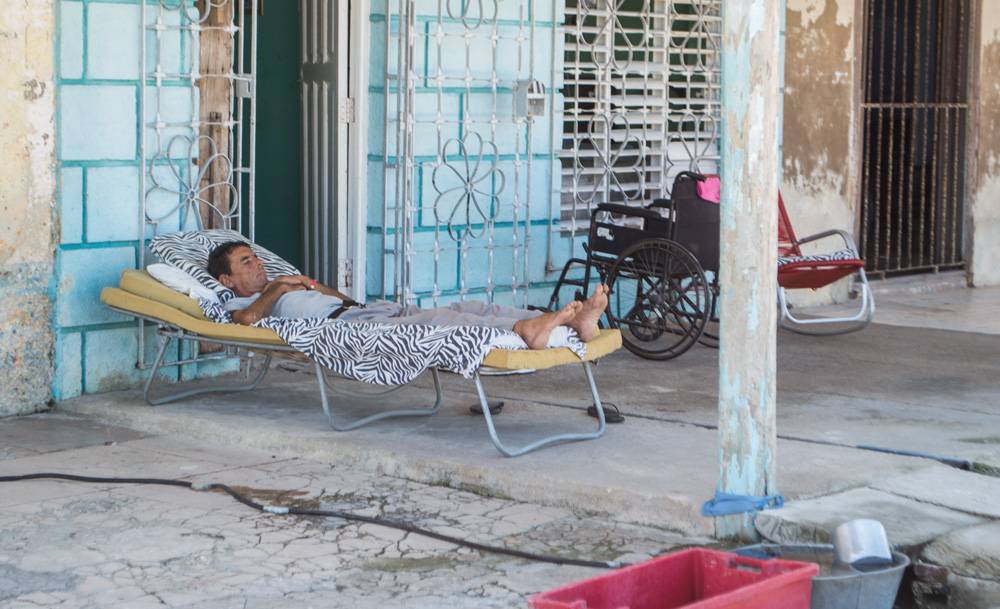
[(797, 271), (179, 317)]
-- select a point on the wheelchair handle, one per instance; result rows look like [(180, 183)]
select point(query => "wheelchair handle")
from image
[(691, 174)]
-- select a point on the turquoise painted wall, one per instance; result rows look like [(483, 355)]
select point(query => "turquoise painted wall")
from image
[(97, 81), (97, 91)]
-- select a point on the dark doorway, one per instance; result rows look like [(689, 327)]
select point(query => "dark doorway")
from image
[(277, 180), (915, 112)]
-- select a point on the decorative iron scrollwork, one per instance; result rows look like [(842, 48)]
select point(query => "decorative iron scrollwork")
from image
[(476, 197), (619, 152), (188, 177), (472, 13)]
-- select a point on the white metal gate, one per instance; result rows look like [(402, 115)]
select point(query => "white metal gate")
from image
[(196, 117), (640, 103), (196, 120), (457, 156)]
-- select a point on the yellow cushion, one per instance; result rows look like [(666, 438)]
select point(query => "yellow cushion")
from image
[(144, 296), (604, 343), (143, 284)]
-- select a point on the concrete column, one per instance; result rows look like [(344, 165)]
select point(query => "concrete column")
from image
[(751, 109)]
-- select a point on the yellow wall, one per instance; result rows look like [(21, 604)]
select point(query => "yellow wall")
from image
[(985, 213), (819, 167), (27, 203)]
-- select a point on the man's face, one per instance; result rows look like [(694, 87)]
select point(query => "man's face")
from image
[(247, 275)]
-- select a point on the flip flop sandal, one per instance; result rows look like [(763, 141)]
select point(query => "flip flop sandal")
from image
[(495, 407), (609, 416)]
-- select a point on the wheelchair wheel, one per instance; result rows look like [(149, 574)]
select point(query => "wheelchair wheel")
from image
[(711, 336), (659, 299)]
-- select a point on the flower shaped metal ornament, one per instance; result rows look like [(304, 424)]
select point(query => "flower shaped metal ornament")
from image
[(697, 45), (179, 174), (470, 186), (689, 152), (617, 40), (619, 159)]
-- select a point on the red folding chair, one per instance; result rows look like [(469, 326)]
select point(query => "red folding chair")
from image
[(797, 271)]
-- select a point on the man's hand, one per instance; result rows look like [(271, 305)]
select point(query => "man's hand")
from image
[(274, 290), (310, 284), (290, 283)]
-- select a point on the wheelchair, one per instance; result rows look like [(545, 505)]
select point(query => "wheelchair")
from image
[(654, 260)]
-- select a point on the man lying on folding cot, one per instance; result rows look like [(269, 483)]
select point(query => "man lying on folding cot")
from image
[(236, 266)]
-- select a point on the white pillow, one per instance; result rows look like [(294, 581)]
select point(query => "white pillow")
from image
[(176, 279), (189, 251)]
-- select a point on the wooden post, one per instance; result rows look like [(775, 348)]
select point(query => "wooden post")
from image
[(216, 60), (751, 108)]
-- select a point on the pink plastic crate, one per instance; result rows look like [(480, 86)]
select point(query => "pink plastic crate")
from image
[(690, 579)]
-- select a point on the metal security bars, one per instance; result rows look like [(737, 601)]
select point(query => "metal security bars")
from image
[(458, 154), (196, 117), (641, 100), (197, 91), (916, 111)]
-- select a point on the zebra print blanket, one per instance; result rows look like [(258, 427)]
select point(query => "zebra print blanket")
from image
[(386, 354)]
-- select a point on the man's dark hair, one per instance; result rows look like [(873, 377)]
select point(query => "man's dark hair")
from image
[(218, 260)]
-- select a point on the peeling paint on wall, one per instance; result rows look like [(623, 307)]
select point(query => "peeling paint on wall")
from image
[(984, 267), (26, 356), (818, 163), (820, 167), (812, 10), (990, 21), (27, 200), (817, 102)]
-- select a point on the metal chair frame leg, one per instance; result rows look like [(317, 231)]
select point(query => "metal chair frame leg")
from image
[(324, 382), (566, 437), (165, 337), (858, 321), (380, 415)]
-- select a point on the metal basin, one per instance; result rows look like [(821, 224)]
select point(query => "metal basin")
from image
[(840, 586)]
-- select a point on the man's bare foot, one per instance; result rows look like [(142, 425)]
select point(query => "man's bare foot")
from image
[(585, 322), (535, 331)]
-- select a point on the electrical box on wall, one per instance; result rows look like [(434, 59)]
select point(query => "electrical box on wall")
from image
[(530, 98)]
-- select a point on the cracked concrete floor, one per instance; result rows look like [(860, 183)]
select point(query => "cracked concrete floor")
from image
[(69, 544)]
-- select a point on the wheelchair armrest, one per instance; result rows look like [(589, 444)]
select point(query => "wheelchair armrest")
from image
[(628, 210), (830, 233)]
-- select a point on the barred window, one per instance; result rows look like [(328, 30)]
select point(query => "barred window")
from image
[(641, 100)]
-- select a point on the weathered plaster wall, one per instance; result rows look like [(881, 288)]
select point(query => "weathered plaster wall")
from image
[(818, 163), (985, 262), (27, 199)]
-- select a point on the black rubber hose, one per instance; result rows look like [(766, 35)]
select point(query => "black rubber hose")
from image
[(323, 514)]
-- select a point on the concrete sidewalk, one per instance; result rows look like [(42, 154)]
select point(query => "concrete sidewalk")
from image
[(897, 389), (70, 544), (860, 419)]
